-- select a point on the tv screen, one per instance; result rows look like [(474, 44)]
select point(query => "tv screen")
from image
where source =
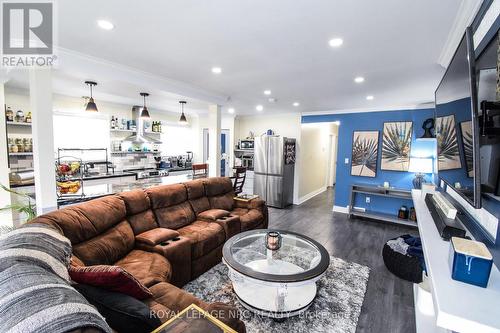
[(456, 125), (488, 90)]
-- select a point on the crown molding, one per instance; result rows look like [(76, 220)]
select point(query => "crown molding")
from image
[(466, 13), (422, 106)]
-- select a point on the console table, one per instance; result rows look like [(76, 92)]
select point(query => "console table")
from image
[(458, 307), (379, 191)]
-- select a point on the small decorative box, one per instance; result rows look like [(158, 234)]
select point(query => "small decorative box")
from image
[(470, 261)]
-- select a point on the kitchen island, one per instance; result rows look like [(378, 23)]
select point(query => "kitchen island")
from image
[(101, 190)]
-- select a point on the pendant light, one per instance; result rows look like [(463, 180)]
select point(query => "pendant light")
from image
[(144, 112), (182, 119), (91, 107)]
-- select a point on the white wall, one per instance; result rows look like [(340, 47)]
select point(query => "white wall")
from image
[(315, 158), (287, 124)]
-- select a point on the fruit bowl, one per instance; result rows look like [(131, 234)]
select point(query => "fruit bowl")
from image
[(67, 169), (69, 187)]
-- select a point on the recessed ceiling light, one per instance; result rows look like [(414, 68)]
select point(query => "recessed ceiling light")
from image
[(272, 100), (296, 104), (267, 92), (230, 110), (259, 108), (336, 42), (216, 70), (370, 97), (359, 79), (106, 25)]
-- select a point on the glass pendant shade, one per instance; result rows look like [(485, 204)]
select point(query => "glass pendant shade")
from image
[(91, 106), (183, 119), (145, 112)]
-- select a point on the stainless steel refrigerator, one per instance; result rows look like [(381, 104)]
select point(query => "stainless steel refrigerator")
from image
[(274, 165)]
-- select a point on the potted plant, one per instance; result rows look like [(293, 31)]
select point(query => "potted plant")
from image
[(26, 207)]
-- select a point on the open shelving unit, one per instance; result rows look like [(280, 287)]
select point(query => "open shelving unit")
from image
[(383, 192)]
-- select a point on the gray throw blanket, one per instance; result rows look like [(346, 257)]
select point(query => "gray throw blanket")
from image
[(35, 292)]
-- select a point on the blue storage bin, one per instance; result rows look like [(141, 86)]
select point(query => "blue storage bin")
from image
[(470, 261)]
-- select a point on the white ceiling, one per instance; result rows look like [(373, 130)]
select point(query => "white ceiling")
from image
[(280, 45)]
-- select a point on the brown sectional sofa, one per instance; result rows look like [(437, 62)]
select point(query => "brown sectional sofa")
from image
[(164, 236)]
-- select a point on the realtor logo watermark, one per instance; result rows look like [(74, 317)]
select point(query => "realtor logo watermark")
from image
[(28, 34)]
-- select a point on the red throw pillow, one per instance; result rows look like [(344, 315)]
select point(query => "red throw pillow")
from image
[(112, 278)]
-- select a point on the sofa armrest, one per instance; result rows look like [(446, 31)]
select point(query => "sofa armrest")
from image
[(156, 236), (252, 204), (231, 225), (212, 214), (178, 253)]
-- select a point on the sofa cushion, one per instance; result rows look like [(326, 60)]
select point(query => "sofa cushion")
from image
[(122, 312), (156, 236), (170, 205), (217, 186), (196, 195), (213, 214), (139, 213), (147, 267), (220, 193), (107, 247), (204, 237), (88, 219), (112, 278), (249, 218), (167, 195)]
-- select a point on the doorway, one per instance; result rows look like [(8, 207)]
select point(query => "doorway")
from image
[(225, 169), (332, 164)]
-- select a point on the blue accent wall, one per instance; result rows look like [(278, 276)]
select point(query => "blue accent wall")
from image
[(370, 121), (375, 121)]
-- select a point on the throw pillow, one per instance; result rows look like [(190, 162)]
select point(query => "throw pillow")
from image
[(112, 278), (122, 312)]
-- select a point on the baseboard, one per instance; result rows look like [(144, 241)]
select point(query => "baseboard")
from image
[(311, 195), (341, 209)]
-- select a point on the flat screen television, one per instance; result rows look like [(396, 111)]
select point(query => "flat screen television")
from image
[(488, 91), (456, 124)]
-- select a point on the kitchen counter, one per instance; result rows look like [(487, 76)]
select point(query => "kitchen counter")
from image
[(90, 177), (100, 190), (105, 176)]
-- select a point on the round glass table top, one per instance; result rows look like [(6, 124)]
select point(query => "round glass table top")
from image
[(299, 258)]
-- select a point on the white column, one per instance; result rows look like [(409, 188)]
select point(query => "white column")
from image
[(214, 151), (43, 139), (5, 216)]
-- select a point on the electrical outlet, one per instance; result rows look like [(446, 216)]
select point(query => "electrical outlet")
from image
[(368, 199), (346, 161)]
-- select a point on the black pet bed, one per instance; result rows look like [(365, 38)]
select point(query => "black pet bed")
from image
[(403, 266)]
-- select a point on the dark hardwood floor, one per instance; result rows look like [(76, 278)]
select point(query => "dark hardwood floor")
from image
[(388, 304)]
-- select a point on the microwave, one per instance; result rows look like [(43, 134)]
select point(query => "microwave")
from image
[(246, 144)]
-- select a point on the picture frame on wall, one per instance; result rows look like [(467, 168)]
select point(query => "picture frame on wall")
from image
[(364, 153), (467, 144), (447, 143), (396, 145)]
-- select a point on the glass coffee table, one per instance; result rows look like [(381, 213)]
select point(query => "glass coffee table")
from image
[(275, 283)]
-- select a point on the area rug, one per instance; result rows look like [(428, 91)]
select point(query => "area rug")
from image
[(335, 309)]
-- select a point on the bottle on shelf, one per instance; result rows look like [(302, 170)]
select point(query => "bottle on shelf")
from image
[(20, 116), (159, 127), (9, 114), (113, 122), (28, 117)]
